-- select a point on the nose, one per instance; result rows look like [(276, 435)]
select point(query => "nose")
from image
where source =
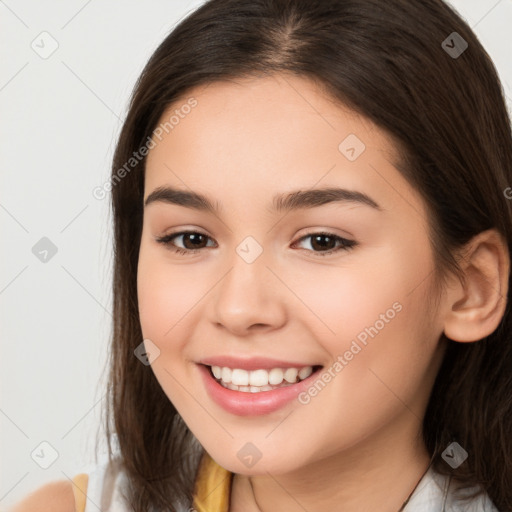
[(249, 297)]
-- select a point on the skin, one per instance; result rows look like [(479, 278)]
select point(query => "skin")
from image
[(245, 141)]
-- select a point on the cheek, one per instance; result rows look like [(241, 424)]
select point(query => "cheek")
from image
[(166, 295), (374, 312), (156, 298), (164, 299), (383, 333), (341, 301)]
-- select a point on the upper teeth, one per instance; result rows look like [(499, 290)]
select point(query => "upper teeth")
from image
[(273, 377)]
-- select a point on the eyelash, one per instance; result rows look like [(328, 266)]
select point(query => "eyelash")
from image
[(346, 245)]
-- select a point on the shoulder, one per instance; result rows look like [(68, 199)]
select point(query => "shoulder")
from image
[(56, 496), (437, 491), (469, 499)]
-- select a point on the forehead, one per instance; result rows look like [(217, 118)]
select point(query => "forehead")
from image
[(273, 133), (296, 109)]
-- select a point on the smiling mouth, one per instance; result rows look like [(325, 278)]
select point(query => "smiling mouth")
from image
[(262, 380)]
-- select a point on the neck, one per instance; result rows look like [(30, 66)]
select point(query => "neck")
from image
[(390, 469)]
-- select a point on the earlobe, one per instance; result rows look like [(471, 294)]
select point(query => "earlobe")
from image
[(475, 307)]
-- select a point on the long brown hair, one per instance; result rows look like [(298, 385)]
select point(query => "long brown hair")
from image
[(448, 116)]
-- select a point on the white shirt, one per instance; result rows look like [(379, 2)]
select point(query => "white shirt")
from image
[(432, 494)]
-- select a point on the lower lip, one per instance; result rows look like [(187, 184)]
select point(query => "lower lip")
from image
[(252, 404)]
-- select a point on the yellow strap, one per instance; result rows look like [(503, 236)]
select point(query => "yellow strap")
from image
[(213, 487), (80, 482), (212, 493)]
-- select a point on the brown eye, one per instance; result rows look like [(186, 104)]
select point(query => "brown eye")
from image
[(325, 243), (322, 242), (192, 241)]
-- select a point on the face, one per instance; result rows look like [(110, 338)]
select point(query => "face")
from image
[(330, 283)]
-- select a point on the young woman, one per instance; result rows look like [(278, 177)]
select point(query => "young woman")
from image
[(313, 227)]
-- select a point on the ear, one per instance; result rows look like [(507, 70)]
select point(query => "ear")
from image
[(476, 307)]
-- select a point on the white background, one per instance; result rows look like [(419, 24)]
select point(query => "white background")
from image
[(60, 118)]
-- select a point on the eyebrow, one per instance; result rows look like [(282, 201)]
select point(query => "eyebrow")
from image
[(282, 202)]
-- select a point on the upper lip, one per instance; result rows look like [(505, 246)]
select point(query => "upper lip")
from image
[(252, 363)]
